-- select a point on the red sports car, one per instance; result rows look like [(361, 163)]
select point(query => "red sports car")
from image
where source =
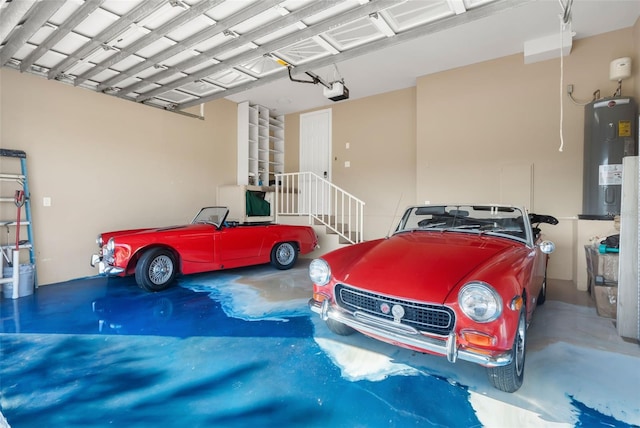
[(209, 243), (460, 281)]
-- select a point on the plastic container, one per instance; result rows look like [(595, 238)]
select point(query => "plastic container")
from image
[(26, 282)]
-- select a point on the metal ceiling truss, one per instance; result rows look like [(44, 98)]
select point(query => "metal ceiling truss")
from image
[(191, 41), (165, 29), (176, 54), (233, 41), (411, 34)]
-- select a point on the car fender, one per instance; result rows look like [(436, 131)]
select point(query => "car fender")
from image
[(135, 257), (342, 259), (507, 274), (303, 237)]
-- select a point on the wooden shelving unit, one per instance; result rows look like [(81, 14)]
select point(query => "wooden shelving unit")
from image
[(260, 145)]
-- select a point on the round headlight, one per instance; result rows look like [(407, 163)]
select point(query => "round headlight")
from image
[(480, 302), (319, 272), (547, 247), (99, 241)]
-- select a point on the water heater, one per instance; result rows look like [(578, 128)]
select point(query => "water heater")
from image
[(610, 133)]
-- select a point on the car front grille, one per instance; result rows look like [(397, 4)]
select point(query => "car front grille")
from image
[(425, 317)]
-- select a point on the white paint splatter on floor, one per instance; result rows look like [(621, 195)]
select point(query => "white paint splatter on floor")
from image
[(573, 355)]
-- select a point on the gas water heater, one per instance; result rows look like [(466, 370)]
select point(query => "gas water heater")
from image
[(610, 133)]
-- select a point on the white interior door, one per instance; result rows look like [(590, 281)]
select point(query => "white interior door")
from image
[(315, 156)]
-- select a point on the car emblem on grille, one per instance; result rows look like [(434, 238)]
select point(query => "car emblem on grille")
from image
[(398, 312), (385, 308)]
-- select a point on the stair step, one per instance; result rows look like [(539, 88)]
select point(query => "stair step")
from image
[(339, 227)]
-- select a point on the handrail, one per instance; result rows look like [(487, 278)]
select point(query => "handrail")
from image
[(305, 193)]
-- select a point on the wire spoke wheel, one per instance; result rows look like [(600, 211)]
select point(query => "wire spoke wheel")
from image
[(156, 269), (160, 269), (520, 347), (284, 255), (509, 378)]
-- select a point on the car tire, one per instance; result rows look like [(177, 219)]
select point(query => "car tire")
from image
[(509, 378), (542, 296), (339, 328), (284, 255), (156, 269)]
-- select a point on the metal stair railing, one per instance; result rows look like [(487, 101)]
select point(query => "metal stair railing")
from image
[(307, 194)]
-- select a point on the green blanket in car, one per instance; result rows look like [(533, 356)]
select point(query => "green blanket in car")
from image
[(256, 205)]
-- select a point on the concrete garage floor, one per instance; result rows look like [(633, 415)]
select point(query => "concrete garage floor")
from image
[(240, 348)]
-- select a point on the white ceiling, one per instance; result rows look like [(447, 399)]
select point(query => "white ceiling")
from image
[(174, 54)]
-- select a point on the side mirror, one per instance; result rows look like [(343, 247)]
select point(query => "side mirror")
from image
[(547, 247)]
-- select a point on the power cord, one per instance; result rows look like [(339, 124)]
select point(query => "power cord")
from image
[(596, 95)]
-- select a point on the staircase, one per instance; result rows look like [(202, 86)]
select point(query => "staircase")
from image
[(336, 215)]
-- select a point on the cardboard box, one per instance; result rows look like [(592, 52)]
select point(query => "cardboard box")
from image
[(606, 301), (602, 269)]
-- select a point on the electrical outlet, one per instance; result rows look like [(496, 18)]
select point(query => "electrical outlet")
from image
[(46, 201), (569, 89)]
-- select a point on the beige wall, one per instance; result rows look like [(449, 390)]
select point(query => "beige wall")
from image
[(488, 132), (636, 58), (108, 164), (482, 132), (503, 114), (380, 131)]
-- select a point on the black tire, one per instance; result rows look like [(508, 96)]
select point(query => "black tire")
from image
[(284, 255), (339, 328), (156, 269), (542, 296), (509, 378)]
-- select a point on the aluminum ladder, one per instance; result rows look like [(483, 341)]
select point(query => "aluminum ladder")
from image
[(10, 252)]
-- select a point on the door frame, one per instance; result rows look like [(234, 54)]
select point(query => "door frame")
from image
[(329, 124), (309, 163)]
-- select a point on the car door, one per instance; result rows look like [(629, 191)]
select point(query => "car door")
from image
[(242, 245)]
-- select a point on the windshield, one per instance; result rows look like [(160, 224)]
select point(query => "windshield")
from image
[(211, 215), (506, 221)]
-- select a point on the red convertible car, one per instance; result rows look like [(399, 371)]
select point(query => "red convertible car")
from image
[(460, 281), (209, 243)]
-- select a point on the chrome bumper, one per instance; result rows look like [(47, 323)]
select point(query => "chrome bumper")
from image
[(103, 268), (406, 335)]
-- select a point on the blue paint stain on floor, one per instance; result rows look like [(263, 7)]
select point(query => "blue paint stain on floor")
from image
[(591, 418), (101, 352)]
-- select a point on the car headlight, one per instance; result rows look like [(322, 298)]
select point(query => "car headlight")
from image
[(109, 250), (480, 302), (99, 241), (319, 272), (547, 247)]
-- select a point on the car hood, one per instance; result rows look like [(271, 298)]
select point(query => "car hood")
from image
[(420, 265), (189, 228)]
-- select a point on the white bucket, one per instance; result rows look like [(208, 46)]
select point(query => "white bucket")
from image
[(26, 283)]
